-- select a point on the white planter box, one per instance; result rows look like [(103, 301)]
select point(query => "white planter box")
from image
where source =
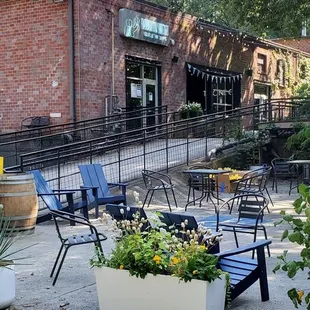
[(117, 290), (7, 286)]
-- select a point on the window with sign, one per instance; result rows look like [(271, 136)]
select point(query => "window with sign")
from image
[(261, 63)]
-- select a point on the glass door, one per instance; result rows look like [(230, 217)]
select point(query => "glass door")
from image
[(141, 94), (150, 102)]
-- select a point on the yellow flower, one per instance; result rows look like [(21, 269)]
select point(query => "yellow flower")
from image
[(202, 247), (121, 267), (300, 294), (195, 272), (157, 259), (175, 260)]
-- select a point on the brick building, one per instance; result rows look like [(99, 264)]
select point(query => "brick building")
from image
[(64, 58)]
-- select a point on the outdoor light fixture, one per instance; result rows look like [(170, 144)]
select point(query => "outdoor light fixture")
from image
[(58, 1), (175, 59), (249, 72)]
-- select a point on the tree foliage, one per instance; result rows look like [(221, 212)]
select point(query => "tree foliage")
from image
[(268, 18)]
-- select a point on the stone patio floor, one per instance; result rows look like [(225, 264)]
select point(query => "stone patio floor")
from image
[(76, 288)]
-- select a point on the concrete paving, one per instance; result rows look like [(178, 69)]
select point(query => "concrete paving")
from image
[(76, 289)]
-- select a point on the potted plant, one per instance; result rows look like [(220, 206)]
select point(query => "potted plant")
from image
[(299, 234), (184, 111), (195, 109), (7, 274), (158, 270)]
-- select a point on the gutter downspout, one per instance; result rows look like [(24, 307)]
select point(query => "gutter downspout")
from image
[(71, 61)]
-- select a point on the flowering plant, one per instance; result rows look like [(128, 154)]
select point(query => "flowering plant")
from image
[(160, 250), (190, 110)]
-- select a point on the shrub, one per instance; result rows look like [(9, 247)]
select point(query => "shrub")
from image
[(299, 233)]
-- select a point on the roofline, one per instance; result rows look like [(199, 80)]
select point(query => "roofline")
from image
[(292, 38), (248, 38)]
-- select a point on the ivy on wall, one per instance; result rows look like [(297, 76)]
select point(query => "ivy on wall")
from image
[(298, 86), (302, 87)]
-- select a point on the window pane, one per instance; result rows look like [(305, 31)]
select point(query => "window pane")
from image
[(133, 69), (149, 72)]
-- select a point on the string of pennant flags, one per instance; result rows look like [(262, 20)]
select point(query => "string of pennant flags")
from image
[(195, 71)]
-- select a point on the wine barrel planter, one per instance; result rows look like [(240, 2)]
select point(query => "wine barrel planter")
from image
[(19, 198)]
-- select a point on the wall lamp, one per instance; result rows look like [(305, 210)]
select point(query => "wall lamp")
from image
[(58, 1), (175, 59)]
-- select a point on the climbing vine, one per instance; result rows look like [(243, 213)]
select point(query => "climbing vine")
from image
[(288, 83), (302, 87)]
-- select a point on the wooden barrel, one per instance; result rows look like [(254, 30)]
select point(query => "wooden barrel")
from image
[(19, 198)]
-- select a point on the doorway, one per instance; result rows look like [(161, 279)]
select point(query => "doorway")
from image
[(142, 96)]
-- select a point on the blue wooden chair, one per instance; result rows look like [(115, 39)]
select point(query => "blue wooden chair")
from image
[(98, 189), (174, 220), (245, 271), (50, 199)]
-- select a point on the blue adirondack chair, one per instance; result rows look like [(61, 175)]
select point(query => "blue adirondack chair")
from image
[(98, 187), (244, 271), (49, 197)]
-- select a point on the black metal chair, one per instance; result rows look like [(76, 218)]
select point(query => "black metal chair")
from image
[(195, 182), (35, 122), (283, 170), (157, 181), (254, 182), (250, 218), (67, 242)]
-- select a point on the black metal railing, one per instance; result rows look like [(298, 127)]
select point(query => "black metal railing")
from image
[(73, 132), (159, 147)]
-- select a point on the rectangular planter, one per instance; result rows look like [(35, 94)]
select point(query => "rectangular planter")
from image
[(117, 290)]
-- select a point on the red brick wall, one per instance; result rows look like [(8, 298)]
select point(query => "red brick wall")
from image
[(33, 53)]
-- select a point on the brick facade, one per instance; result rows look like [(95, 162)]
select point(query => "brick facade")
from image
[(33, 54), (36, 52)]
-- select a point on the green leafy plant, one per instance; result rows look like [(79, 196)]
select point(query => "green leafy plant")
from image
[(8, 236), (299, 142), (299, 233)]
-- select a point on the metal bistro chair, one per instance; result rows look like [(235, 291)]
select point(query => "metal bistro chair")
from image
[(67, 242), (250, 218), (157, 181), (254, 182), (283, 170), (195, 183)]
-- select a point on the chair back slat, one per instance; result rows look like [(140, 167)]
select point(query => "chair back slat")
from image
[(252, 208), (151, 179), (42, 187), (280, 166), (93, 175), (175, 219)]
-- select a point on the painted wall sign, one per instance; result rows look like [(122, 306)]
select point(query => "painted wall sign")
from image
[(143, 27), (222, 92)]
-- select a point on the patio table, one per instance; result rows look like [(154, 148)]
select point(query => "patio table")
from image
[(206, 185)]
